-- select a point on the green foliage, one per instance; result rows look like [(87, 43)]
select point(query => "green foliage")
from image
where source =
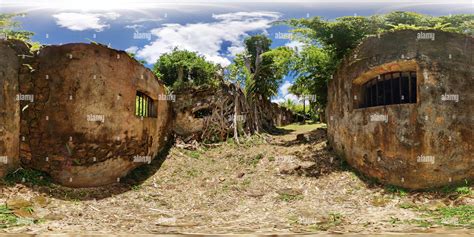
[(312, 70), (459, 216), (295, 107), (331, 40), (260, 70), (182, 68), (396, 190), (463, 214), (255, 46), (12, 29), (28, 176), (7, 218)]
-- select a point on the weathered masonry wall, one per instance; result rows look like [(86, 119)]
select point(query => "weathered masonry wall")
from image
[(202, 113), (417, 145), (70, 111), (10, 63)]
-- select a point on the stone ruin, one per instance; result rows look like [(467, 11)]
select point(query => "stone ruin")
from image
[(87, 115), (207, 114), (83, 113), (400, 108)]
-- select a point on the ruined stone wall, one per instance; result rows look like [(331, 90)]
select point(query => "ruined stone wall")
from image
[(273, 115), (206, 113), (82, 128), (421, 145), (10, 64), (220, 103)]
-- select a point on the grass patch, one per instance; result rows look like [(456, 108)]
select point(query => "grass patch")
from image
[(285, 197), (304, 127), (253, 161), (31, 176), (461, 215), (401, 192), (464, 189), (9, 219), (457, 216), (194, 154)]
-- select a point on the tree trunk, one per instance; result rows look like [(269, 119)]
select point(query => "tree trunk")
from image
[(236, 113)]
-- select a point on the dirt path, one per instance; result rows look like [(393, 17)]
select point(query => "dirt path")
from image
[(269, 184)]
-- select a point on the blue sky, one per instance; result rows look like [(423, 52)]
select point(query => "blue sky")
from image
[(214, 28)]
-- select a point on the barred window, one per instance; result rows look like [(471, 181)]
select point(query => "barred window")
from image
[(145, 106), (389, 88)]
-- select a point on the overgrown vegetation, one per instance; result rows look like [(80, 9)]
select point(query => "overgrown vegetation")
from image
[(12, 29), (259, 70), (327, 42), (30, 176), (7, 218), (182, 68), (456, 216)]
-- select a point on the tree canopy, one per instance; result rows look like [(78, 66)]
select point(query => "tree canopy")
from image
[(327, 42), (182, 68), (260, 70)]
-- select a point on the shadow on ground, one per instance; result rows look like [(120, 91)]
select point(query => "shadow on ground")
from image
[(41, 182), (279, 131)]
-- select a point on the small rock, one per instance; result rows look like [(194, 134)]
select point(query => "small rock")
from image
[(240, 175)]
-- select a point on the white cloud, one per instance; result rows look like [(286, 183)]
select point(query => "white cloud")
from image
[(132, 49), (135, 27), (141, 20), (207, 38), (236, 49), (84, 21), (284, 88), (285, 94)]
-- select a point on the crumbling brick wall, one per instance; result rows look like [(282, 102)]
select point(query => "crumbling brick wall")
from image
[(10, 64), (424, 144), (81, 127), (190, 124)]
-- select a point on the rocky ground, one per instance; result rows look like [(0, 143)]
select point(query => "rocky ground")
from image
[(288, 182)]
